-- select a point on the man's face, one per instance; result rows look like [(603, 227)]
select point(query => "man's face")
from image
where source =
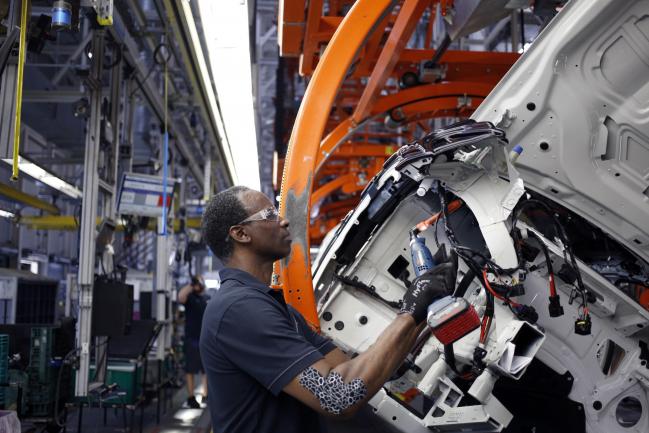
[(270, 239)]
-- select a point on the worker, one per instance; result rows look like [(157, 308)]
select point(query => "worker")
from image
[(193, 297), (267, 370)]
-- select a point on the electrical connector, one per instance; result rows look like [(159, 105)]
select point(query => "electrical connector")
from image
[(583, 326), (555, 307), (526, 313), (479, 354), (567, 273)]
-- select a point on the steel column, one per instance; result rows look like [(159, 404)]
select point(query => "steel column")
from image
[(8, 84), (305, 142), (89, 215), (161, 283)]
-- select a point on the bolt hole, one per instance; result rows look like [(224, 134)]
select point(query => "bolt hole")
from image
[(544, 146), (394, 418), (531, 106), (597, 405), (617, 174), (637, 241)]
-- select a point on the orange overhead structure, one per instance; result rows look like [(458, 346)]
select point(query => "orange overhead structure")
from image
[(290, 29), (328, 188), (356, 109), (405, 24), (305, 141)]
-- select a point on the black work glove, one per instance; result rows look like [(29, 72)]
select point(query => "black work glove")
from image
[(430, 286)]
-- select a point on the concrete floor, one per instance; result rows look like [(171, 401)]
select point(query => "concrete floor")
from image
[(179, 419)]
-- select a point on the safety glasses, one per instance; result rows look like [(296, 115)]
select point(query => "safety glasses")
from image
[(268, 214)]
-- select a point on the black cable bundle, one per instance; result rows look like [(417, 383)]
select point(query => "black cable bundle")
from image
[(460, 134)]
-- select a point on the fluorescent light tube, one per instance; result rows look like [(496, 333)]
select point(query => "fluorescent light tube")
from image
[(6, 214), (226, 30), (46, 177)]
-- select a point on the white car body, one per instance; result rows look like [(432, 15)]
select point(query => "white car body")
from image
[(578, 103)]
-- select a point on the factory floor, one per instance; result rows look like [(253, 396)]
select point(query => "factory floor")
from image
[(175, 417)]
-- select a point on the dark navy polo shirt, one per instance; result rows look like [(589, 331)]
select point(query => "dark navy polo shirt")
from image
[(194, 309), (252, 345)]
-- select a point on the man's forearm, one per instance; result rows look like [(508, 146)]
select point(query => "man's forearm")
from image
[(375, 365)]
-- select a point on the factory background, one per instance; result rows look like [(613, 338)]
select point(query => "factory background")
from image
[(119, 119)]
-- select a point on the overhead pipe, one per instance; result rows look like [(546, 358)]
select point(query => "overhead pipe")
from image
[(26, 199)]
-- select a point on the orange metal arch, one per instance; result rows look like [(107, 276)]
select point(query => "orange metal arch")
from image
[(330, 187), (305, 141), (428, 98)]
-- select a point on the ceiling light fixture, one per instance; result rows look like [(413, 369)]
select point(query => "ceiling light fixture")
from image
[(207, 84), (6, 214), (226, 30), (46, 177)]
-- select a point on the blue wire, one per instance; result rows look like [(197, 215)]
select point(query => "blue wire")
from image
[(165, 168)]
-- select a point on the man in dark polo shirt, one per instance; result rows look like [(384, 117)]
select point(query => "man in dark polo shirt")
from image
[(193, 297), (267, 370)]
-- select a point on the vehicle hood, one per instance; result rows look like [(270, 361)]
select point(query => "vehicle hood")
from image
[(578, 103)]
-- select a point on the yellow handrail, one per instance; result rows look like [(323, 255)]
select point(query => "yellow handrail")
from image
[(19, 87)]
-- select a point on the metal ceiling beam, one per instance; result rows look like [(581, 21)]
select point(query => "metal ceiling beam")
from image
[(201, 80), (153, 96), (70, 62), (62, 96)]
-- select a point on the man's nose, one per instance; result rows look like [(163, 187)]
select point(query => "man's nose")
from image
[(283, 222)]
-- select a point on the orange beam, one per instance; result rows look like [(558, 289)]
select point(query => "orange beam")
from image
[(409, 15), (441, 96), (364, 62), (358, 150), (330, 187), (305, 141), (311, 39), (290, 27)]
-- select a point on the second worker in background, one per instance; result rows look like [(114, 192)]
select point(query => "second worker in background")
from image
[(193, 297)]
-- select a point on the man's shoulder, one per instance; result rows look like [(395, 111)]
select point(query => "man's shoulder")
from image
[(238, 302)]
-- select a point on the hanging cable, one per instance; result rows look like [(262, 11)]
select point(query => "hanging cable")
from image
[(19, 87), (165, 162), (496, 294)]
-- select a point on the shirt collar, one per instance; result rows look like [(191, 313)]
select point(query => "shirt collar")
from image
[(244, 278)]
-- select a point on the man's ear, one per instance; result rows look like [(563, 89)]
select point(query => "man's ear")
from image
[(239, 234)]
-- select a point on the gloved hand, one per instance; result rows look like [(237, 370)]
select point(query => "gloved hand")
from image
[(430, 286)]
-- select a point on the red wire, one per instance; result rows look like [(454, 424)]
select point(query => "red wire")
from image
[(496, 295), (553, 289), (486, 322)]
